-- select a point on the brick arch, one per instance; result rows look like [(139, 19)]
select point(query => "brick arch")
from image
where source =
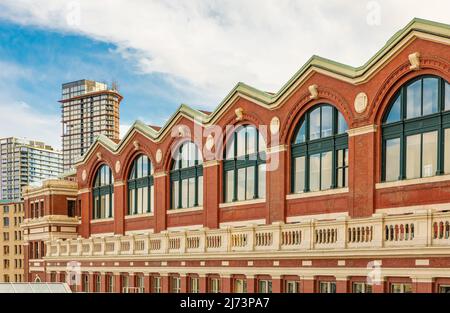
[(131, 154), (400, 76), (248, 119), (326, 96), (96, 165)]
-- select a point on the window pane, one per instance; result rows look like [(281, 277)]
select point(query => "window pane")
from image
[(139, 200), (429, 154), (251, 140), (144, 200), (430, 95), (327, 167), (230, 186), (327, 121), (314, 172), (175, 193), (314, 127), (241, 184), (152, 199), (229, 149), (299, 175), (250, 193), (394, 113), (392, 159), (191, 199), (262, 181), (261, 143), (342, 124), (184, 193), (145, 166), (413, 156), (447, 96), (447, 151), (200, 191), (131, 201), (241, 142), (413, 99), (301, 135), (139, 167)]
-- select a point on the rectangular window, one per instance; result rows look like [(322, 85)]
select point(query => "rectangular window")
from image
[(194, 285), (214, 284), (299, 185), (152, 198), (413, 156), (6, 222), (250, 188), (444, 289), (429, 154), (447, 151), (240, 285), (110, 283), (176, 284), (291, 286), (401, 288), (314, 172), (191, 199), (326, 170), (157, 284), (327, 121), (327, 287), (140, 196), (265, 286), (342, 168), (175, 195), (184, 193), (229, 192), (262, 181), (98, 283), (430, 95), (314, 127), (241, 184), (392, 170), (361, 288)]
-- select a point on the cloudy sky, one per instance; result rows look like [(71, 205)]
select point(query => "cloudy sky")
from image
[(164, 53)]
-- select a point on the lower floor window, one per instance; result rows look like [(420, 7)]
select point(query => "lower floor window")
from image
[(157, 284), (140, 283), (401, 288), (444, 289), (110, 283), (291, 286), (361, 288), (176, 284), (240, 285), (265, 286), (214, 284), (85, 286), (194, 285), (98, 283), (327, 287)]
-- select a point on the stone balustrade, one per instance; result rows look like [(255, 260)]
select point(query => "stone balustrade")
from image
[(421, 229)]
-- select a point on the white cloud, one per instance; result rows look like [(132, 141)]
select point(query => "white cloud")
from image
[(205, 47)]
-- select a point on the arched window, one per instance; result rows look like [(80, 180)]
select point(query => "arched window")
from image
[(187, 177), (245, 165), (103, 193), (140, 186), (320, 151), (416, 130)]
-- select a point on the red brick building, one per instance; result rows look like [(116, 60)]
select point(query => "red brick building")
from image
[(341, 176)]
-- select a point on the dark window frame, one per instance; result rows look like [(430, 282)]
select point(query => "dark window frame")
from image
[(135, 183)]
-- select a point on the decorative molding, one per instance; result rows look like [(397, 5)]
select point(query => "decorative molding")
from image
[(275, 125), (84, 175), (159, 156), (240, 203), (313, 92), (136, 145), (414, 60), (276, 149), (99, 156), (160, 174), (239, 114), (415, 181), (187, 210), (117, 167), (362, 130), (361, 102), (209, 142), (211, 163)]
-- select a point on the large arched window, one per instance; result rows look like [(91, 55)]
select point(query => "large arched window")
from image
[(416, 130), (320, 151), (103, 192), (186, 177), (245, 165), (140, 186)]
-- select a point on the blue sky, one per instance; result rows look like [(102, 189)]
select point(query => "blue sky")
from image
[(164, 53)]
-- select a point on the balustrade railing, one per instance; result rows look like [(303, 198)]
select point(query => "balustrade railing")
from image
[(420, 229)]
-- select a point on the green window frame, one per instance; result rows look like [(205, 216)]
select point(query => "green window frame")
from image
[(244, 165), (320, 136), (103, 193), (428, 98), (186, 177), (140, 186)]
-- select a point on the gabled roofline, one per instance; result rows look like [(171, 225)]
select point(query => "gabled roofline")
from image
[(355, 75)]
